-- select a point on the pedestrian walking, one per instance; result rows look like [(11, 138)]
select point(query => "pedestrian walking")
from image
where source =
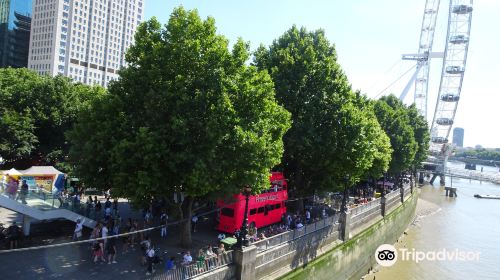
[(308, 216), (88, 206), (104, 234), (24, 192), (194, 221), (150, 254), (147, 218), (164, 222), (133, 236), (111, 250), (77, 233), (99, 252), (115, 206), (12, 187), (145, 246), (107, 204), (98, 208)]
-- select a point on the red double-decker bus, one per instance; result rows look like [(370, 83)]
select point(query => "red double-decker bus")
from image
[(264, 209)]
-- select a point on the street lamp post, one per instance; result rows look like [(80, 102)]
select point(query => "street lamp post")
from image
[(344, 198), (242, 237), (383, 185), (344, 214), (382, 197)]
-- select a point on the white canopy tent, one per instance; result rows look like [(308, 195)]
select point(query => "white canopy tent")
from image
[(12, 172)]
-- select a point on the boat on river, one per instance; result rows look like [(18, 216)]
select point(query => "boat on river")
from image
[(487, 196)]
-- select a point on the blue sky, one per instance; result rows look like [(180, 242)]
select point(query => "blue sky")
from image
[(370, 37)]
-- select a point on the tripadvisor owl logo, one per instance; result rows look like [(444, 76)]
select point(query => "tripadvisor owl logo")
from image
[(386, 255)]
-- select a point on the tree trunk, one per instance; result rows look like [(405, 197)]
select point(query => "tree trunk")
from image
[(185, 225)]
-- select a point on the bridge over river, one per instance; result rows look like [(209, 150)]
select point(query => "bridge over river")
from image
[(489, 176)]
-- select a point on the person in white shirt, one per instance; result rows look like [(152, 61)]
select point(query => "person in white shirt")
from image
[(104, 234), (187, 259), (77, 234), (107, 212), (194, 221), (150, 254)]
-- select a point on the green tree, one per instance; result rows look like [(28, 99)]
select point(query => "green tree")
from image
[(421, 134), (187, 115), (380, 141), (393, 116), (331, 137), (36, 112)]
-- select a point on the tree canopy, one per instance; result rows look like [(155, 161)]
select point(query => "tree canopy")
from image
[(331, 136), (421, 134), (479, 153), (187, 115), (394, 117), (35, 113)]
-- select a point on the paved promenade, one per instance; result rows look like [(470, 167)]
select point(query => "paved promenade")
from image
[(75, 261)]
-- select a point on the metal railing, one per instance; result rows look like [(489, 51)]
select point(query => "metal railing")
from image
[(489, 176), (197, 268), (364, 207), (276, 240), (407, 190), (392, 194)]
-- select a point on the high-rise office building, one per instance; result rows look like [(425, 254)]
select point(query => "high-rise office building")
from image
[(458, 136), (83, 39), (15, 23)]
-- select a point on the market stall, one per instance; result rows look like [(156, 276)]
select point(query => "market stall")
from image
[(44, 178)]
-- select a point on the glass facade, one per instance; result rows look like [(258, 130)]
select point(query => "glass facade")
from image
[(15, 24)]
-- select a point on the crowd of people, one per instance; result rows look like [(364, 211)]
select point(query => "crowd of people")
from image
[(134, 234), (104, 236)]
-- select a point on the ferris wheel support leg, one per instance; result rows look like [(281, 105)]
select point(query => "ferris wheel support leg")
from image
[(434, 176)]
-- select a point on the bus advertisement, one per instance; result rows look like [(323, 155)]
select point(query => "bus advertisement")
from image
[(264, 209)]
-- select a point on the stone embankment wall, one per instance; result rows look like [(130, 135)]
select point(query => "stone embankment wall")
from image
[(353, 258)]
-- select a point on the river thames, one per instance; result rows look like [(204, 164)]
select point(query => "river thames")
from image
[(465, 223)]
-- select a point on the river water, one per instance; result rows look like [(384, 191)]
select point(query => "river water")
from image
[(464, 223)]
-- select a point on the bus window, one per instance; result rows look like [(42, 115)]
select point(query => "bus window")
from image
[(277, 206), (261, 210), (228, 212), (253, 211), (269, 207)]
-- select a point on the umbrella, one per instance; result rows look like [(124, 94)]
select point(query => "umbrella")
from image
[(387, 184)]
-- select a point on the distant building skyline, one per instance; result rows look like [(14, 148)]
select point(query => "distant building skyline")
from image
[(458, 136), (85, 40), (15, 25)]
